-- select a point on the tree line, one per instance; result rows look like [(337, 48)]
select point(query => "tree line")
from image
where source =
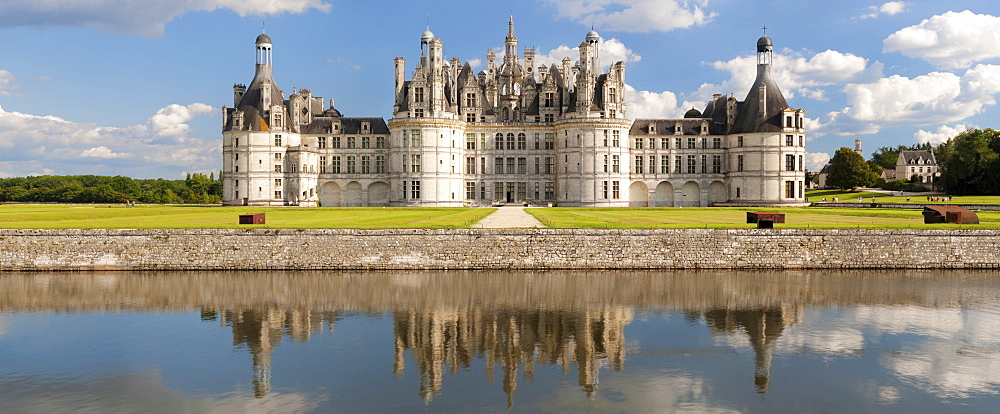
[(969, 164), (195, 188)]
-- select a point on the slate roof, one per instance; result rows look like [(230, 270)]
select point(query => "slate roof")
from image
[(911, 157), (749, 118)]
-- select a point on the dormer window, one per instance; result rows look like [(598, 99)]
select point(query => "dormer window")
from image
[(652, 128), (366, 127)]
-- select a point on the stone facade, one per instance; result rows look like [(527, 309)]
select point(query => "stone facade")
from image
[(515, 131), (339, 249)]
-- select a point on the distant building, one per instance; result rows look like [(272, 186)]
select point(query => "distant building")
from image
[(512, 132), (917, 166)]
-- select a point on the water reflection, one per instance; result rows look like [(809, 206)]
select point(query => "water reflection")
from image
[(444, 324)]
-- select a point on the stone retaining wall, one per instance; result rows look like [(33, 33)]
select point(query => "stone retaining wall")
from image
[(495, 249)]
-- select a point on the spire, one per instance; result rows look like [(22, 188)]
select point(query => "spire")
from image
[(510, 41)]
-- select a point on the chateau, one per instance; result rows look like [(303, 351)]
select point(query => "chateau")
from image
[(513, 132)]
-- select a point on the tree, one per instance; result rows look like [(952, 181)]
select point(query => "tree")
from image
[(848, 170), (970, 163)]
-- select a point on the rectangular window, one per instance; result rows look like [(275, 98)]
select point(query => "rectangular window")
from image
[(277, 194), (788, 122), (638, 164), (717, 143), (322, 164), (716, 164), (335, 165), (616, 136), (510, 141), (380, 142), (664, 164), (704, 164), (498, 166), (482, 142), (550, 141), (510, 165), (802, 141), (605, 163), (321, 142), (615, 189), (366, 164), (677, 143), (739, 141), (538, 144), (704, 143), (789, 140), (498, 191), (335, 142), (550, 165), (418, 95), (277, 140), (652, 164), (415, 139), (789, 162), (550, 118), (482, 190), (470, 165), (604, 191), (277, 182), (470, 141), (351, 164), (638, 143), (606, 135), (470, 190), (522, 191), (277, 168), (615, 164), (498, 142), (664, 143), (522, 141), (550, 191), (470, 101), (692, 143), (538, 167), (677, 165), (379, 164), (739, 163), (482, 166), (366, 142), (691, 165), (415, 189), (789, 189), (415, 163)]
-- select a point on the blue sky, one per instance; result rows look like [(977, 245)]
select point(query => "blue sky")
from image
[(123, 87)]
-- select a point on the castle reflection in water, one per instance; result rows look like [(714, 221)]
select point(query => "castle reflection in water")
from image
[(445, 321)]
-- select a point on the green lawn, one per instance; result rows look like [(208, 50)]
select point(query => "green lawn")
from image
[(852, 197), (735, 218), (189, 217)]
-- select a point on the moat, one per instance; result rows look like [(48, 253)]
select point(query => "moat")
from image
[(665, 341)]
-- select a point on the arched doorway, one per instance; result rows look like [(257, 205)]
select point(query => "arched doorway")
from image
[(378, 194), (329, 195), (638, 195), (691, 195), (664, 196), (717, 192), (352, 196)]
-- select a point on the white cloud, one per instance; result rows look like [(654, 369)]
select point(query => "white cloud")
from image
[(646, 104), (890, 8), (146, 18), (474, 63), (33, 143), (950, 40), (6, 82), (636, 15), (102, 152), (611, 51), (937, 97), (943, 133), (816, 160)]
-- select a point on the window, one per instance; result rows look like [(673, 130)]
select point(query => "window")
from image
[(677, 165), (418, 95), (789, 162), (415, 139), (470, 165), (677, 143), (704, 143), (470, 101), (691, 166), (616, 138), (277, 156), (277, 194), (321, 142), (739, 141), (482, 190), (351, 164), (803, 166), (510, 141), (379, 142), (498, 165), (550, 141), (335, 165), (277, 120), (322, 165), (638, 143), (498, 141), (716, 164), (691, 143), (522, 191), (606, 137), (351, 142), (510, 165), (415, 189), (538, 167), (550, 165), (277, 168), (664, 164), (612, 95), (604, 191), (652, 164), (717, 143), (414, 162), (664, 143), (470, 141), (789, 140), (550, 100), (366, 142), (704, 164), (789, 189), (615, 164), (522, 141), (277, 140), (470, 117), (638, 164), (277, 182), (335, 142), (470, 190), (802, 141), (537, 144), (605, 163), (801, 195), (522, 165), (498, 191), (379, 164), (418, 113), (550, 191), (366, 164), (550, 118), (614, 190), (739, 163)]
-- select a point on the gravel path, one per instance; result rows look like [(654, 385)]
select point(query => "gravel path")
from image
[(508, 217)]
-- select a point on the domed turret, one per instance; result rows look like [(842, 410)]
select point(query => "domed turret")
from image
[(263, 39), (592, 36), (693, 113), (764, 44), (427, 36)]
